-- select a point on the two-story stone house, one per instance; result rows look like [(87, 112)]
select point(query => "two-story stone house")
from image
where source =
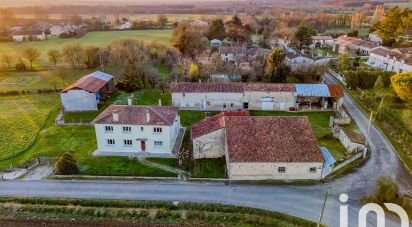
[(125, 130)]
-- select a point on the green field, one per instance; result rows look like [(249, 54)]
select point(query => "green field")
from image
[(362, 31), (92, 38), (400, 4)]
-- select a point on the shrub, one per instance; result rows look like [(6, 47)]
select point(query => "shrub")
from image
[(402, 84), (66, 165), (20, 66), (366, 79)]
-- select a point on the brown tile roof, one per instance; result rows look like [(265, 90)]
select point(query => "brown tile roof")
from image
[(385, 52), (136, 115), (271, 139), (229, 87), (406, 50), (91, 83), (269, 87), (213, 123), (207, 87), (335, 90), (354, 136), (322, 37), (28, 33)]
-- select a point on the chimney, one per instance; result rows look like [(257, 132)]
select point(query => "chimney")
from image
[(129, 101), (115, 116), (147, 116), (160, 102), (200, 81)]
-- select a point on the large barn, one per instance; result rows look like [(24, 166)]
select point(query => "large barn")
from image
[(260, 148), (86, 93)]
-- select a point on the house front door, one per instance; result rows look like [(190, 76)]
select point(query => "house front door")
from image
[(143, 145)]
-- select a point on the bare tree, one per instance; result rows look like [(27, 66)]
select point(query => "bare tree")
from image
[(73, 53), (31, 54), (7, 59), (54, 56)]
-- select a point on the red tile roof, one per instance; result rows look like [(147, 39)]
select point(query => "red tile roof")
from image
[(335, 90), (207, 87), (136, 115), (269, 87), (213, 123), (271, 139), (322, 37)]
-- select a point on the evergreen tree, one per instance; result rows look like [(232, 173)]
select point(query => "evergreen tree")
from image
[(216, 30), (276, 69), (66, 165), (303, 36)]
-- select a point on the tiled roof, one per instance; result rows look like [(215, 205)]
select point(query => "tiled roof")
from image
[(335, 90), (392, 54), (354, 136), (38, 32), (207, 87), (271, 139), (322, 37), (137, 115), (92, 82), (312, 90), (269, 87), (406, 50), (357, 42), (213, 123)]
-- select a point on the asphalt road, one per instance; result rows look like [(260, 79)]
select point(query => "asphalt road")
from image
[(302, 201)]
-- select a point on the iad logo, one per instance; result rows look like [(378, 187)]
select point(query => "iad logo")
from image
[(372, 207)]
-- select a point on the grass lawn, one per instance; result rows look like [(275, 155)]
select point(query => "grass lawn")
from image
[(163, 71), (22, 117), (209, 168), (121, 166), (44, 79), (172, 162), (320, 126), (362, 31), (323, 51), (92, 38)]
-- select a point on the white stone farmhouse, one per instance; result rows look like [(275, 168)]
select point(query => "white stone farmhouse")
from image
[(254, 96), (127, 130), (351, 44), (388, 60), (260, 148), (86, 93), (322, 41), (20, 36)]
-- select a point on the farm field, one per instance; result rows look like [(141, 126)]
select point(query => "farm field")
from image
[(362, 31), (92, 38)]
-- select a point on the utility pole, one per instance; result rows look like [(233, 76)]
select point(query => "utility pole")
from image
[(367, 134), (323, 208), (380, 107)]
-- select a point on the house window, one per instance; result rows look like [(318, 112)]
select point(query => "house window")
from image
[(141, 129), (158, 143), (281, 169), (208, 103), (224, 105), (108, 128), (312, 170), (232, 105), (127, 129), (184, 94), (128, 143), (157, 130), (246, 105), (111, 142)]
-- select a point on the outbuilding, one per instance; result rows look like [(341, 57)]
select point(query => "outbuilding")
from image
[(86, 93), (352, 141)]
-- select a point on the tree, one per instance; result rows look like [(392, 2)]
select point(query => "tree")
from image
[(402, 84), (162, 20), (345, 63), (66, 165), (303, 36), (379, 84), (353, 33), (91, 56), (395, 23), (7, 59), (54, 56), (236, 31), (193, 72), (76, 20), (276, 69), (216, 30), (188, 40), (31, 54), (130, 80), (73, 53)]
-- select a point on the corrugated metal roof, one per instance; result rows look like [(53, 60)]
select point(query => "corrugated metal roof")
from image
[(91, 83), (312, 90), (329, 160), (101, 75)]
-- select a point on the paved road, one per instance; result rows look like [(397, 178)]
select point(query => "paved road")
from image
[(302, 201)]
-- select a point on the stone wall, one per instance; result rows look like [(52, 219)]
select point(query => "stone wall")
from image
[(211, 145)]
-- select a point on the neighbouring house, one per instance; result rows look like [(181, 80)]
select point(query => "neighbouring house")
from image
[(242, 54), (389, 60), (260, 148), (405, 51), (374, 37), (20, 36), (208, 135), (319, 96), (256, 96), (215, 43), (59, 29), (127, 130), (321, 41), (351, 44), (352, 141), (125, 26), (88, 92), (296, 60)]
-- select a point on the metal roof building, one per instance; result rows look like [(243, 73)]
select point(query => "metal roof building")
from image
[(312, 90)]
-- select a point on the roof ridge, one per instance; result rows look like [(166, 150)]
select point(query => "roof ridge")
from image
[(158, 114)]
